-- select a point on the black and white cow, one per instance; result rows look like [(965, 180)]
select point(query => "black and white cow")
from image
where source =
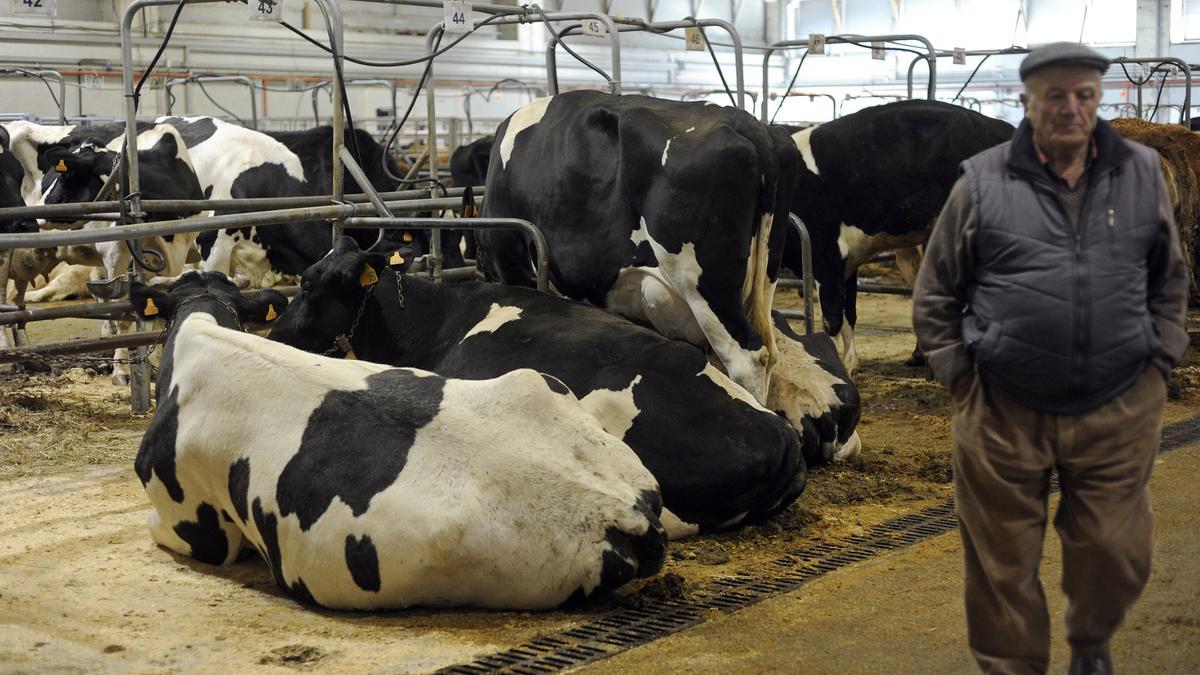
[(875, 181), (73, 164), (366, 487), (672, 214), (11, 176), (721, 458)]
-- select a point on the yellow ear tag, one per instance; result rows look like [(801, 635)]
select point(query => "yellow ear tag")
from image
[(271, 313), (61, 167), (368, 276), (407, 236), (396, 259), (151, 310)]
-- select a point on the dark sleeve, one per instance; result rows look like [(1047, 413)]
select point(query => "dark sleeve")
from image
[(1167, 287), (940, 294)]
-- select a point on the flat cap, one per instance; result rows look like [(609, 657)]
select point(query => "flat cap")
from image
[(1063, 54)]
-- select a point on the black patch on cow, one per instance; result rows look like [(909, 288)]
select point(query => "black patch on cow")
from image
[(268, 529), (156, 454), (356, 444), (555, 384), (363, 562), (195, 131), (204, 535), (208, 192), (239, 486), (226, 517)]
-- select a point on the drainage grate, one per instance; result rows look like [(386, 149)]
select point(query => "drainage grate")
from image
[(623, 629)]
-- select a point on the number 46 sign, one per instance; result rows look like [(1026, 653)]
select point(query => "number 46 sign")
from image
[(35, 7)]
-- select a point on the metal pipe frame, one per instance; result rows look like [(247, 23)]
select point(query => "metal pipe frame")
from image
[(92, 209), (833, 102), (1179, 64), (361, 82), (215, 78), (136, 231), (806, 270), (941, 53), (541, 248), (44, 75), (847, 39), (637, 25)]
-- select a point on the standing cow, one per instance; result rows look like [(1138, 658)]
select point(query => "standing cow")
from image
[(669, 213), (875, 181), (370, 487)]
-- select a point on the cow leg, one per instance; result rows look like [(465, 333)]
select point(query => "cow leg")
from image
[(117, 259), (908, 261), (66, 281), (504, 257), (850, 301)]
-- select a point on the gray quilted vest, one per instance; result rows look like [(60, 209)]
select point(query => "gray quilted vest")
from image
[(1057, 317)]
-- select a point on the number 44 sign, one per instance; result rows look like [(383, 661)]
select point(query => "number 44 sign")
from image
[(36, 7), (266, 10), (457, 16)]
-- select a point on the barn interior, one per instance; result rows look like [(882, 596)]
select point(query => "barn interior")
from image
[(862, 573)]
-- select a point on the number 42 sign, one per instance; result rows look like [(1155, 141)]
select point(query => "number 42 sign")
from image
[(35, 7)]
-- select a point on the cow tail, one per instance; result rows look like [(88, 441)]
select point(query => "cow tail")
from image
[(759, 288)]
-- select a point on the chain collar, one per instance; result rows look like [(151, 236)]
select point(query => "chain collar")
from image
[(229, 307), (341, 344)]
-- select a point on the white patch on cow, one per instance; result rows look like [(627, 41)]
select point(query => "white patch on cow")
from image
[(853, 244), (24, 139), (689, 130), (735, 391), (668, 147), (676, 528), (497, 316), (668, 298), (803, 142), (528, 115), (505, 495), (614, 410), (639, 235)]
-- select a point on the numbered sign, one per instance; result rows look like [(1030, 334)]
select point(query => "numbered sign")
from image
[(594, 27), (91, 80), (265, 10), (34, 7), (816, 43), (694, 39), (457, 16), (877, 51), (960, 56)]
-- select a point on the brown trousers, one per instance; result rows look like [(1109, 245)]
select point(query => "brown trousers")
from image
[(1002, 459)]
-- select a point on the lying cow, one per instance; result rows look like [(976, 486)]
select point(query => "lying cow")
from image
[(369, 487), (875, 181), (720, 457), (672, 214)]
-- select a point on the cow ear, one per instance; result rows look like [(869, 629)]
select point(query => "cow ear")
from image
[(401, 258), (5, 140), (104, 162), (370, 266), (150, 303), (262, 307), (58, 159)]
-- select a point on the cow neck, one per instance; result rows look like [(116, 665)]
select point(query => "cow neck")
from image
[(399, 328), (222, 312)]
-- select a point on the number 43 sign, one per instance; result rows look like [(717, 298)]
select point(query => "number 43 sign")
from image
[(266, 10), (36, 7)]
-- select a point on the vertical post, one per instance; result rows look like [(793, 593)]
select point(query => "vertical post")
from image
[(333, 14), (435, 236)]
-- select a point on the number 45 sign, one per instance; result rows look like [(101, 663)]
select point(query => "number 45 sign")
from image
[(36, 7)]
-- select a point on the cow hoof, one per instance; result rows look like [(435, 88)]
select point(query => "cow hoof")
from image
[(917, 360), (849, 450), (120, 379)]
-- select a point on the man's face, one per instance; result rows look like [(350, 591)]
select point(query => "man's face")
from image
[(1061, 104)]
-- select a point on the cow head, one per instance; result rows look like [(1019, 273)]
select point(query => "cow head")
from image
[(74, 174), (11, 175), (211, 292), (333, 293)]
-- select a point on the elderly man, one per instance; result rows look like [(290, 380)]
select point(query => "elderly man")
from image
[(1051, 303)]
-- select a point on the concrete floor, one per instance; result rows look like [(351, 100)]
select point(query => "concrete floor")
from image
[(902, 613)]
